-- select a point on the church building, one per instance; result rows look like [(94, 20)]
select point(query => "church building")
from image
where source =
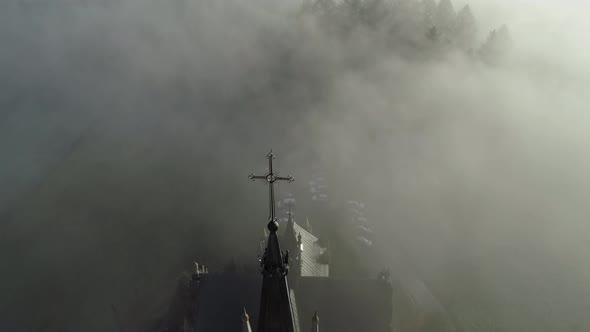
[(294, 292)]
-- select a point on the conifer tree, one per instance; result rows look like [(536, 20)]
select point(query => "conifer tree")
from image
[(374, 12), (497, 45), (465, 28), (428, 10), (319, 6), (407, 19), (445, 17), (432, 34)]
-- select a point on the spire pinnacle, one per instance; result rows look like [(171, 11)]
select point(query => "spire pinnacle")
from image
[(315, 323), (276, 313), (245, 316), (246, 322)]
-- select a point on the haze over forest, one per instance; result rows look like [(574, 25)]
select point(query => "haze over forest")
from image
[(128, 128)]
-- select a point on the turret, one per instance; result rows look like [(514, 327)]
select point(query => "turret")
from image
[(290, 238), (297, 262)]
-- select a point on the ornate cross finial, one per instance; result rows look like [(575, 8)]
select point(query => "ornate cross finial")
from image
[(271, 178)]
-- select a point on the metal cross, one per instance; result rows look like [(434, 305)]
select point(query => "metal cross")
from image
[(271, 178)]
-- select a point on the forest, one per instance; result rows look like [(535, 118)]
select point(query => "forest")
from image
[(128, 129), (410, 27)]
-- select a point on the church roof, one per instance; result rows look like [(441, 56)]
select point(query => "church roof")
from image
[(311, 254), (295, 311), (420, 296), (221, 299), (422, 310), (345, 304), (366, 303)]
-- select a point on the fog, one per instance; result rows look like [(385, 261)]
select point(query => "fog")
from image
[(128, 129)]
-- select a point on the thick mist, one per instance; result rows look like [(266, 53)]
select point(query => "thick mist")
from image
[(129, 127)]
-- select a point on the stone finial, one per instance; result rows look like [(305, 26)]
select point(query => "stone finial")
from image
[(315, 323), (246, 322)]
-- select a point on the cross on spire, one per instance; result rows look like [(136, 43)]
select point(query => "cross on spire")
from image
[(271, 178)]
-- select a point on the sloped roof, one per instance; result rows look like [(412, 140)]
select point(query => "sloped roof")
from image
[(221, 300), (420, 296), (311, 253), (366, 304), (295, 311), (422, 311), (345, 304)]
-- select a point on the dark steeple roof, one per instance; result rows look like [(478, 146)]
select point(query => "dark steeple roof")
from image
[(276, 313)]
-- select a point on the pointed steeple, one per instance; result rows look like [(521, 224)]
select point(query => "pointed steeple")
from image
[(275, 304), (315, 323), (275, 314), (246, 322)]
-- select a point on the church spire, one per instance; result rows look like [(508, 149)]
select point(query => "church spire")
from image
[(315, 323), (275, 314), (246, 322)]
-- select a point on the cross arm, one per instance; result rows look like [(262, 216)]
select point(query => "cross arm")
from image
[(286, 178), (256, 177)]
